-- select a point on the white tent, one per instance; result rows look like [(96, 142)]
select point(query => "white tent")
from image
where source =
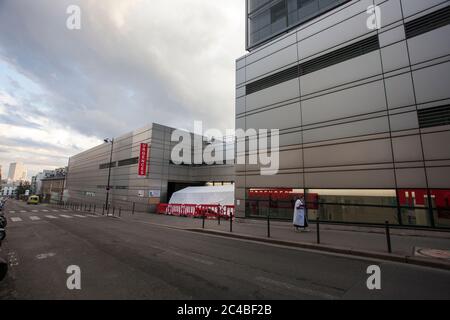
[(223, 195)]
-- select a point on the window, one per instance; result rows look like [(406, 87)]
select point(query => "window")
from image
[(434, 117), (429, 22), (340, 55), (128, 162), (267, 19), (351, 206), (278, 11), (107, 165)]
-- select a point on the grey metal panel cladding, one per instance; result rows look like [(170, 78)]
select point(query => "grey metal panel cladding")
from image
[(346, 103), (346, 130), (363, 179), (284, 117), (436, 146), (432, 83), (365, 152), (337, 56), (353, 91)]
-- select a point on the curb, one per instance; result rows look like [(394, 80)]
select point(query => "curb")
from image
[(438, 264)]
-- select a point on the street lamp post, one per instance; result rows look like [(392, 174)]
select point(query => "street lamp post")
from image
[(109, 171)]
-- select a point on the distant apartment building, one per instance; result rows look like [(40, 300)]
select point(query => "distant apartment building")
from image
[(53, 185), (49, 184), (9, 191), (363, 109)]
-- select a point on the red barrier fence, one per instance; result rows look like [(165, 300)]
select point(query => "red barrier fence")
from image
[(210, 211)]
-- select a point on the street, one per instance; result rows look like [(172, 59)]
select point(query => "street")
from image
[(126, 259)]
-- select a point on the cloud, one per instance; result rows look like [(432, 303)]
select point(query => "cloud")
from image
[(133, 62)]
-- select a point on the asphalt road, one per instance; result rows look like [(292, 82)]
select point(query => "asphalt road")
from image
[(136, 260)]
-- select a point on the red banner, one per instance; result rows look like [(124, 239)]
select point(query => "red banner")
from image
[(143, 155)]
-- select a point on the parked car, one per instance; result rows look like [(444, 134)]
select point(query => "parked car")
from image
[(3, 269), (33, 200), (3, 221)]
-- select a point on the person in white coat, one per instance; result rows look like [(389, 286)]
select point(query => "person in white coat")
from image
[(300, 219)]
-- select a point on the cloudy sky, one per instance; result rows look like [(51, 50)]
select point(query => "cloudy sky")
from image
[(132, 63)]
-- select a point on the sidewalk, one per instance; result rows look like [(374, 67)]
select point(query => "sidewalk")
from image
[(346, 239)]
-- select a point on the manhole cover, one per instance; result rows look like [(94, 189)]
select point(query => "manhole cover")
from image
[(432, 253)]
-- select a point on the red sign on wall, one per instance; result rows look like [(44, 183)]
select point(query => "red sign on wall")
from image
[(143, 155)]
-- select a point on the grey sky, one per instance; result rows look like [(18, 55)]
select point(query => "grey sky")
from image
[(132, 63)]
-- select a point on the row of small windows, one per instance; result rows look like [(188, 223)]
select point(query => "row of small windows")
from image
[(121, 163), (112, 187)]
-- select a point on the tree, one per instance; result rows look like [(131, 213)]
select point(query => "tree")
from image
[(22, 188)]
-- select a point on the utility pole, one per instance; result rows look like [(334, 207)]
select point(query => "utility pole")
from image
[(108, 187)]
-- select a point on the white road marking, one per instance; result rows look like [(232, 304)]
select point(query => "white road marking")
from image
[(35, 211), (34, 218), (45, 255), (12, 211), (51, 217), (267, 282), (65, 216), (44, 210), (23, 211), (92, 216), (79, 216), (55, 210), (15, 219), (185, 256)]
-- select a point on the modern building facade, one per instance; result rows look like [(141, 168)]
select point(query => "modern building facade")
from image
[(17, 172), (36, 181), (363, 112), (87, 178), (53, 186)]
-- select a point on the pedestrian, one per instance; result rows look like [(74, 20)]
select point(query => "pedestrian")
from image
[(300, 219)]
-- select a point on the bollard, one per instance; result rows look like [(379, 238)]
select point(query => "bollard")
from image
[(388, 237), (318, 230), (95, 207), (134, 204), (203, 220), (231, 222), (103, 210), (268, 225), (114, 211), (107, 209)]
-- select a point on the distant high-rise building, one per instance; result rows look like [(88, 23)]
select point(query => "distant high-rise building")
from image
[(17, 172)]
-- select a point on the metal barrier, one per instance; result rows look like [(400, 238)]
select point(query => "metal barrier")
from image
[(209, 211)]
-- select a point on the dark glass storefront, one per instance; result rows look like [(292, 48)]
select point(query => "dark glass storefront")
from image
[(402, 207), (266, 18)]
